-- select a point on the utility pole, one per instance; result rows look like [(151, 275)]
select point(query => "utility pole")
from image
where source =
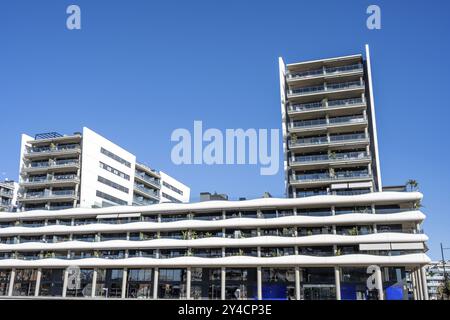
[(443, 267)]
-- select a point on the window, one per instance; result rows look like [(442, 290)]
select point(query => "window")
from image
[(169, 186), (115, 157), (111, 198), (114, 171), (112, 184), (170, 198)]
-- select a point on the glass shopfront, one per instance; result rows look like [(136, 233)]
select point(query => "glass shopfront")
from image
[(278, 284), (139, 283), (25, 282), (205, 283), (240, 283), (109, 283), (172, 283), (82, 287), (318, 284), (51, 282)]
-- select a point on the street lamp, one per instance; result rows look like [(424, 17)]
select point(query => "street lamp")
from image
[(443, 267)]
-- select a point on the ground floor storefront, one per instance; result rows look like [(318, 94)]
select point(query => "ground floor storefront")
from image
[(231, 283)]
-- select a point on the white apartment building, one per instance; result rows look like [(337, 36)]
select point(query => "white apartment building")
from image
[(89, 171), (301, 248), (8, 195), (337, 235), (435, 278), (329, 128)]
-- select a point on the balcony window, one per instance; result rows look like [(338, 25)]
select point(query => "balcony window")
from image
[(113, 236), (172, 253), (277, 252), (240, 233), (314, 212), (318, 251), (171, 235), (207, 252), (353, 210), (208, 216), (310, 231), (252, 252)]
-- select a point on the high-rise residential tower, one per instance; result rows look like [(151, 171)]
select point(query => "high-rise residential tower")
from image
[(89, 171), (329, 127)]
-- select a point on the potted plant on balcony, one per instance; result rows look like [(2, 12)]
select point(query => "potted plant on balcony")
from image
[(208, 235), (353, 231), (412, 184), (294, 138)]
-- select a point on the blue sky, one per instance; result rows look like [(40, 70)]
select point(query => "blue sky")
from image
[(140, 69)]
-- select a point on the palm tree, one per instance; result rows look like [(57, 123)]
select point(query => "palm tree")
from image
[(413, 185)]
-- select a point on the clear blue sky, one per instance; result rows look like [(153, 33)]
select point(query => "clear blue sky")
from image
[(140, 69)]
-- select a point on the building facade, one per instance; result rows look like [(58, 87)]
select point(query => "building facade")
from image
[(329, 127), (8, 195), (336, 236), (435, 278), (89, 171), (324, 247)]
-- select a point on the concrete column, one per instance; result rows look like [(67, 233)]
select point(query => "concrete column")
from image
[(379, 282), (155, 283), (12, 277), (66, 278), (188, 283), (297, 283), (414, 287), (418, 285), (124, 282), (222, 283), (259, 282), (94, 282), (38, 282), (337, 279), (424, 283)]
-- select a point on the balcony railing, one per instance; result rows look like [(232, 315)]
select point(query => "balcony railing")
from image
[(146, 190), (324, 140), (332, 157), (329, 121), (325, 71), (48, 194), (326, 176), (148, 179), (57, 163), (325, 105), (53, 149), (327, 88), (58, 178)]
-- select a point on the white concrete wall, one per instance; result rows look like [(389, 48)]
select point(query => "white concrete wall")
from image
[(24, 142), (177, 184), (90, 170)]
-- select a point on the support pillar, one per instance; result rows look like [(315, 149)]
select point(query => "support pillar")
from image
[(337, 279), (222, 283), (94, 282), (419, 284), (66, 278), (259, 282), (124, 283), (155, 284), (297, 283), (188, 283), (424, 283), (379, 282), (414, 285), (38, 282), (12, 277)]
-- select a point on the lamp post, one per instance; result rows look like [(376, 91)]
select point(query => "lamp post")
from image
[(443, 267)]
